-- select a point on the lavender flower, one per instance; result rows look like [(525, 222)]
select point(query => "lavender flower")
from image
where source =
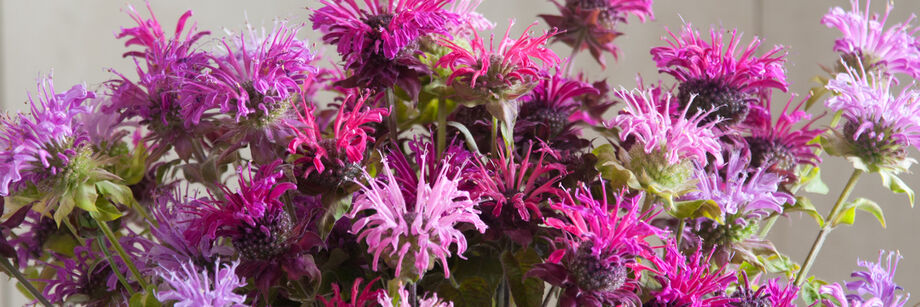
[(188, 287), (874, 287), (172, 222), (865, 39), (721, 80), (426, 228), (88, 277), (742, 193), (593, 23)]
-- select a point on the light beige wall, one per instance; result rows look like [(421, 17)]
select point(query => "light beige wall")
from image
[(75, 38)]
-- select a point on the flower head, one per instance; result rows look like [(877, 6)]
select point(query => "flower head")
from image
[(549, 112), (172, 222), (189, 287), (413, 234), (742, 192), (359, 297), (379, 42), (402, 300), (468, 21), (721, 79), (874, 287), (689, 281), (88, 277), (593, 23), (879, 125), (601, 248), (865, 39), (779, 147)]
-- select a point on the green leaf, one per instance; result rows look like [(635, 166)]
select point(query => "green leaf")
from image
[(817, 92), (144, 299), (778, 263), (470, 140), (848, 216), (525, 291), (869, 206), (117, 193), (814, 183), (136, 166), (896, 185), (809, 291), (473, 292), (804, 205), (84, 196), (697, 208), (105, 210), (611, 170)]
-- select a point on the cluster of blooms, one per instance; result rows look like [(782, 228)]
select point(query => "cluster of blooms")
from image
[(448, 170)]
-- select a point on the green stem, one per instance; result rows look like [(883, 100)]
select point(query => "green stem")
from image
[(442, 126), (648, 202), (549, 295), (8, 267), (828, 226), (494, 144), (680, 231), (108, 257), (575, 49), (121, 253), (391, 120)]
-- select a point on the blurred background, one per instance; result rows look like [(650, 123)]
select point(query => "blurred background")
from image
[(75, 40)]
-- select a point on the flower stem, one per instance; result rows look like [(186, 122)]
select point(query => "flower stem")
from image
[(413, 295), (108, 257), (494, 144), (575, 49), (8, 267), (391, 120), (121, 253), (442, 126), (828, 226), (549, 294), (680, 231)]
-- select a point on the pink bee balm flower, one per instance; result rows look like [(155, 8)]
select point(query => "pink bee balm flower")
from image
[(359, 297), (689, 281), (600, 250), (402, 300), (893, 50), (426, 228), (779, 146), (722, 80)]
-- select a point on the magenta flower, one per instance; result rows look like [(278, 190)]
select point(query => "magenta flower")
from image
[(600, 249), (721, 80), (779, 295), (45, 144), (188, 287), (172, 222), (426, 228), (359, 297), (689, 281), (874, 287), (379, 42), (865, 39), (334, 160), (779, 147), (255, 75), (648, 119), (549, 113), (270, 242), (497, 76), (457, 161), (770, 294), (592, 24), (88, 278), (879, 125)]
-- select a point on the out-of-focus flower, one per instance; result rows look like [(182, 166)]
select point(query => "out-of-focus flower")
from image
[(865, 39), (879, 126), (412, 236), (88, 278), (468, 20), (549, 113), (593, 23), (329, 162), (402, 300), (779, 147), (497, 77), (7, 248), (359, 297), (379, 43), (597, 265), (689, 281), (175, 249), (271, 243), (873, 287), (189, 287), (722, 80), (34, 231)]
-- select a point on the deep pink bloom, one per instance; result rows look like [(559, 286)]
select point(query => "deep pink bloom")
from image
[(175, 249), (893, 50), (44, 143), (359, 297), (344, 148), (600, 249), (648, 119), (271, 243), (779, 146), (689, 281), (719, 76), (781, 295), (378, 42), (426, 228), (548, 113), (593, 23)]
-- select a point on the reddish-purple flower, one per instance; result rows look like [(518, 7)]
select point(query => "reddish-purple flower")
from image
[(779, 147), (689, 281), (597, 264), (721, 79), (88, 278), (549, 113), (592, 24), (865, 39), (412, 236), (379, 42), (359, 297)]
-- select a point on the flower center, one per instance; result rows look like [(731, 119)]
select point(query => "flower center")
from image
[(875, 145), (728, 103), (765, 152), (714, 234), (267, 239), (749, 298), (554, 121), (654, 169), (595, 274)]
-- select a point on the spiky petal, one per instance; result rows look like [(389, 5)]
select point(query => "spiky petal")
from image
[(189, 287), (893, 50)]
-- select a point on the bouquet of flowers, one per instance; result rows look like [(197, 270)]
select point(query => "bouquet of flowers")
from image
[(444, 160)]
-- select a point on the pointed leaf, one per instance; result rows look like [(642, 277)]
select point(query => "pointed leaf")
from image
[(473, 292), (814, 183), (470, 140), (697, 208), (105, 210), (525, 291), (869, 206), (896, 185), (848, 216), (804, 205), (117, 193), (84, 196)]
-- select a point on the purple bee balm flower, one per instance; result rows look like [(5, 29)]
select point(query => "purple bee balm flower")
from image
[(359, 297), (379, 42), (874, 287), (879, 125), (498, 76), (592, 24), (88, 278), (188, 287), (426, 228), (175, 249), (514, 191), (721, 79), (35, 229), (549, 113), (778, 146), (270, 242), (402, 300), (7, 247), (689, 281), (865, 39), (742, 192), (44, 144), (600, 249), (255, 75)]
